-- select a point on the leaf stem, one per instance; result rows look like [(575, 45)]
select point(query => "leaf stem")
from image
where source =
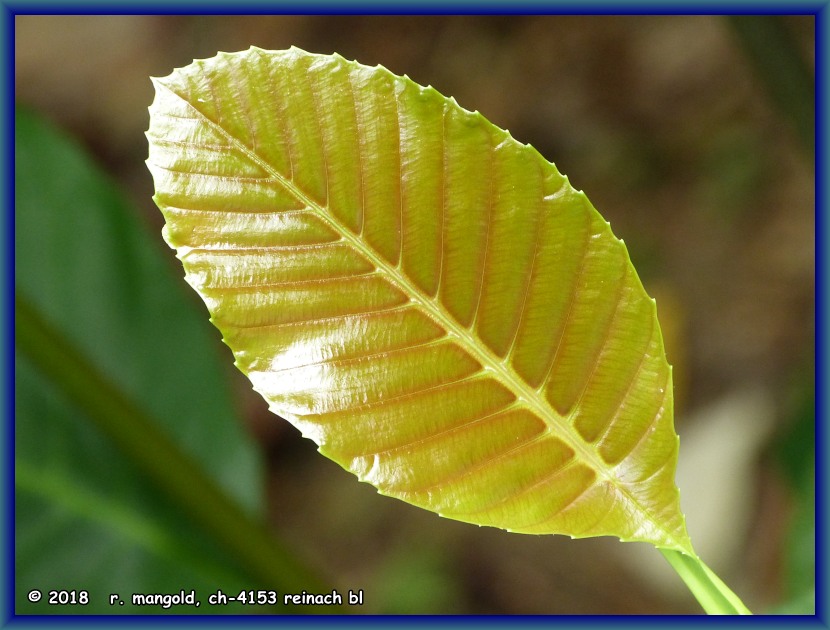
[(139, 437), (714, 596)]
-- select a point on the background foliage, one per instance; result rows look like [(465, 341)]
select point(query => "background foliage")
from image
[(665, 122)]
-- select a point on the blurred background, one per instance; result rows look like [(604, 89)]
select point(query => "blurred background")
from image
[(682, 136)]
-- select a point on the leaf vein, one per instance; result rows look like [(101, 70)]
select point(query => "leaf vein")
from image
[(527, 282), (324, 320), (491, 158), (360, 159), (597, 358), (241, 251), (632, 378), (362, 358), (575, 289), (657, 416), (443, 206), (223, 178), (480, 374), (490, 461), (315, 98), (259, 287), (505, 408)]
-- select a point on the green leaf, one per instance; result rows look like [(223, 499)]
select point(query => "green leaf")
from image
[(86, 262), (423, 296), (86, 516)]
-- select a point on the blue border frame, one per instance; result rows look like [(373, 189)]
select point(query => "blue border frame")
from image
[(470, 7), (822, 381), (7, 318), (8, 11)]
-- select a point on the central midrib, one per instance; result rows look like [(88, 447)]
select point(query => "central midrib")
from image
[(471, 344)]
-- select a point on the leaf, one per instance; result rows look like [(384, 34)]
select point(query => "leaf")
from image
[(87, 263), (423, 296), (85, 516)]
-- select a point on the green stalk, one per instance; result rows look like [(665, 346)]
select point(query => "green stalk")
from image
[(714, 596), (172, 470)]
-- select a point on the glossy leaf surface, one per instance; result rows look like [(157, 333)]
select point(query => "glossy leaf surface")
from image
[(423, 296)]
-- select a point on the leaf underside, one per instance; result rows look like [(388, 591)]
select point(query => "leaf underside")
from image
[(426, 298)]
